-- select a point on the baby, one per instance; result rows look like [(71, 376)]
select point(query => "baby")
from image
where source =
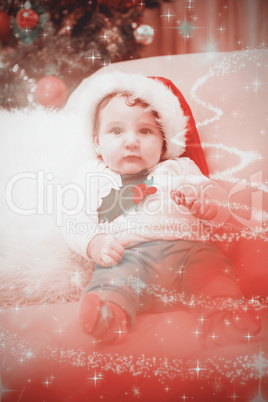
[(148, 212)]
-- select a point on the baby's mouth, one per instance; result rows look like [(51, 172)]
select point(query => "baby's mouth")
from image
[(131, 157)]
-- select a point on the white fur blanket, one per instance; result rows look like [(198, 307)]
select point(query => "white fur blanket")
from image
[(38, 148)]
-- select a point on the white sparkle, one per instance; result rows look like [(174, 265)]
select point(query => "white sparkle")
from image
[(47, 382), (189, 6), (248, 336), (60, 331), (221, 29), (213, 336), (17, 308), (184, 397), (3, 390), (185, 29), (136, 392), (120, 332), (196, 332), (197, 369), (256, 84), (105, 36), (180, 270), (95, 378), (167, 389), (235, 113), (168, 15), (216, 155), (93, 57), (234, 396), (202, 319)]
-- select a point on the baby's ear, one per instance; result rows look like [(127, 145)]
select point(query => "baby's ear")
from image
[(164, 148), (96, 143)]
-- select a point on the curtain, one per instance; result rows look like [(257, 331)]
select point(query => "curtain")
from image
[(195, 26)]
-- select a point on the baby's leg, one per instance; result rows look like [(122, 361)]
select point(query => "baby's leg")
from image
[(208, 274), (113, 297)]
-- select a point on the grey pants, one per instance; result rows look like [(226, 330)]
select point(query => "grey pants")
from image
[(181, 266)]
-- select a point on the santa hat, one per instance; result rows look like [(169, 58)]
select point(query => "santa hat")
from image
[(160, 97), (176, 117)]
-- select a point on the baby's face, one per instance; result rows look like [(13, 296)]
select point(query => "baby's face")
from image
[(129, 139)]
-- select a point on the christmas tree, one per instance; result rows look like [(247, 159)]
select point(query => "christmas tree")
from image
[(48, 47)]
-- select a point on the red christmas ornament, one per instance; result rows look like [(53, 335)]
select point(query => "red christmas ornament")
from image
[(5, 27), (27, 18), (51, 91)]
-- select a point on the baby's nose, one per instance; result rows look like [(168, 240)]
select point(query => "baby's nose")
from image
[(131, 139)]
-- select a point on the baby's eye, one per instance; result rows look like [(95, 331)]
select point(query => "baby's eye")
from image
[(145, 131), (117, 130)]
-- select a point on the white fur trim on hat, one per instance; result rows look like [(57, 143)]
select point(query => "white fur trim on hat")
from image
[(91, 91)]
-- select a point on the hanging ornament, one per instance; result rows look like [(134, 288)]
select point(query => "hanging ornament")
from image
[(29, 22), (27, 18), (51, 91), (144, 34), (5, 27)]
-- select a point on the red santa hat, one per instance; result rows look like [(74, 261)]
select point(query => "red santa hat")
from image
[(161, 94)]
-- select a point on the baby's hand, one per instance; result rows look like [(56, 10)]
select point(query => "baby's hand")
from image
[(106, 251), (200, 209), (203, 210)]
